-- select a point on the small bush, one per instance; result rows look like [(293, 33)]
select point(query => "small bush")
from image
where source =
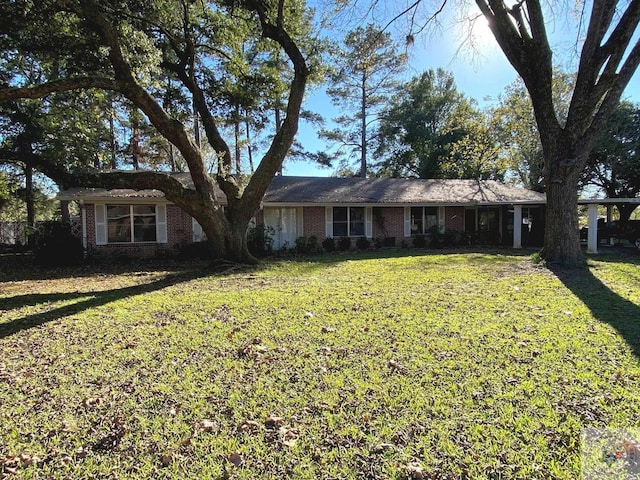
[(386, 242), (362, 243), (448, 238), (420, 241), (260, 240), (329, 244), (307, 245), (56, 246), (344, 244), (537, 259)]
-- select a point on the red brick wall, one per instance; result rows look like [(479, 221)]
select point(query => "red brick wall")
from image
[(179, 226), (314, 222), (91, 226), (454, 218), (393, 223)]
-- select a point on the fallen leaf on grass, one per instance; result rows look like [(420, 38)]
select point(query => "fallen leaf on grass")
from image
[(396, 366), (91, 401), (249, 426), (206, 425), (415, 471), (235, 458), (382, 447), (273, 421)]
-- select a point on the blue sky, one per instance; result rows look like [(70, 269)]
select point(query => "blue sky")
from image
[(482, 75)]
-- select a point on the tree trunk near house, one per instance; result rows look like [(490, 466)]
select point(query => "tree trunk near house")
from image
[(65, 214), (113, 145), (625, 210), (31, 208), (227, 239), (236, 137), (363, 127), (247, 127), (135, 148), (562, 237)]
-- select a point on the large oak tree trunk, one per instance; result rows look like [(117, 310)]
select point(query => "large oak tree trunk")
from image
[(562, 237), (230, 244)]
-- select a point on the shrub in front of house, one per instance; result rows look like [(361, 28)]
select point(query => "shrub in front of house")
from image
[(384, 242), (420, 241), (307, 245), (448, 238), (329, 244), (344, 244), (362, 243), (260, 240), (56, 246), (194, 250)]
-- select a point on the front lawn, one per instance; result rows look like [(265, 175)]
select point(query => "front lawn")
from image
[(432, 366)]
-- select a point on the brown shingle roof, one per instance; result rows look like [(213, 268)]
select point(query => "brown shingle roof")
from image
[(332, 190)]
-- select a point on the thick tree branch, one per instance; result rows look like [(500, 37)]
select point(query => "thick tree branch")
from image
[(171, 129), (55, 86), (283, 139)]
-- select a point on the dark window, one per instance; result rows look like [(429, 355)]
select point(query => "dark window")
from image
[(120, 218), (423, 219), (348, 222)]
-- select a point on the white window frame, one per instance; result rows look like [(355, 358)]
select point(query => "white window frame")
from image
[(102, 224), (367, 221), (425, 229)]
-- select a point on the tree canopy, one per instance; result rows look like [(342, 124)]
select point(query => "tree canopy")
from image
[(147, 52), (431, 130), (614, 164)]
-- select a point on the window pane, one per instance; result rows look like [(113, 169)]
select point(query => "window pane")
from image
[(339, 214), (118, 224), (430, 217), (340, 222), (356, 221), (144, 223), (117, 211), (416, 220), (340, 229), (144, 210)]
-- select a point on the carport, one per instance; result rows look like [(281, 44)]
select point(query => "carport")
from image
[(592, 204)]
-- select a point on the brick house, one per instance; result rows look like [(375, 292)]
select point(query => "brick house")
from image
[(398, 210)]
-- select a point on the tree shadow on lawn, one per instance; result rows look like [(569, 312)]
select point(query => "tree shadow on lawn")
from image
[(605, 305), (96, 299)]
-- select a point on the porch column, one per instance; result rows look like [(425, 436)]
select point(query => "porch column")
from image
[(612, 241), (517, 226), (592, 238)]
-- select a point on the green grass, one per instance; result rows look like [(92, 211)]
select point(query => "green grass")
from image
[(463, 365)]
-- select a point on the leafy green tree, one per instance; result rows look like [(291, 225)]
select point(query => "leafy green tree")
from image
[(366, 70), (430, 130), (475, 154), (516, 131), (133, 49), (614, 164)]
